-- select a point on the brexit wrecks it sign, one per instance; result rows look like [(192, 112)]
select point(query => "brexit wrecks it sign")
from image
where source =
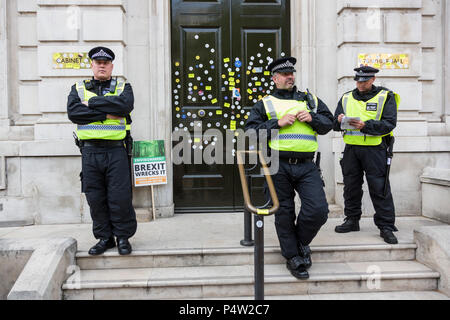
[(149, 163)]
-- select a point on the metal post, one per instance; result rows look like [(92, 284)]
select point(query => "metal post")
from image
[(259, 257), (248, 242)]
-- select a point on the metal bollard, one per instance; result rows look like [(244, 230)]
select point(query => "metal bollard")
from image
[(248, 242), (259, 258)]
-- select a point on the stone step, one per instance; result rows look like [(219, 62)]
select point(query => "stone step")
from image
[(234, 281), (402, 295), (241, 256)]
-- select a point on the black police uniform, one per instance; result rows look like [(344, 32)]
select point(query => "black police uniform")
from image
[(106, 175), (370, 160), (297, 173)]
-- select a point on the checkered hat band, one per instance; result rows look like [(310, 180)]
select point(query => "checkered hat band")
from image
[(101, 53), (285, 65)]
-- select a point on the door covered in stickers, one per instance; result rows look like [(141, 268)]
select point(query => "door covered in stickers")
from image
[(220, 50)]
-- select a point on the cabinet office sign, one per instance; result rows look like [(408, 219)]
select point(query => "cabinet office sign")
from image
[(149, 163), (384, 60), (71, 60)]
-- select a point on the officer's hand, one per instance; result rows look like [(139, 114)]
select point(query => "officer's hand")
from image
[(111, 117), (341, 116), (287, 120), (304, 116), (358, 124)]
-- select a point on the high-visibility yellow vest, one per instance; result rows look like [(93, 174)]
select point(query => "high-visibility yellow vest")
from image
[(300, 136), (369, 110), (103, 130)]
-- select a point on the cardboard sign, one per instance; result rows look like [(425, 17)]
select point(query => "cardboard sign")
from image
[(149, 163)]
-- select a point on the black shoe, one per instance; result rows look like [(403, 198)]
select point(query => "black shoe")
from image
[(305, 253), (102, 246), (296, 266), (388, 236), (350, 224), (124, 247)]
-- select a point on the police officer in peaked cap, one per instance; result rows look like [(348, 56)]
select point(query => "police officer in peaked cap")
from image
[(299, 121), (372, 114), (101, 107)]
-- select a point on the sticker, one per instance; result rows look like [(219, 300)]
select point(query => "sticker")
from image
[(238, 64), (219, 112), (258, 69), (261, 44), (226, 60), (214, 101), (197, 140), (196, 36), (231, 74), (257, 83), (227, 105), (237, 93), (197, 57), (191, 76), (233, 125), (249, 91), (208, 88), (177, 64)]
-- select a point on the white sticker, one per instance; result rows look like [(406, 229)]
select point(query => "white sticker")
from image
[(261, 44), (207, 46), (196, 36)]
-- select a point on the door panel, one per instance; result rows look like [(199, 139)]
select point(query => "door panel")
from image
[(218, 46)]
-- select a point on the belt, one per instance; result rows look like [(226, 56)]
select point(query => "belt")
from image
[(297, 160), (102, 143)]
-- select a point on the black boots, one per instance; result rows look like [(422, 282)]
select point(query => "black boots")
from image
[(296, 266), (305, 253), (350, 224), (102, 246), (124, 247), (388, 236)]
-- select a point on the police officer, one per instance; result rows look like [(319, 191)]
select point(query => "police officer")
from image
[(299, 124), (372, 115), (101, 108)]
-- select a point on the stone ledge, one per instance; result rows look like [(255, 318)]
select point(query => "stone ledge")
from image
[(45, 271), (438, 176), (433, 250), (409, 144)]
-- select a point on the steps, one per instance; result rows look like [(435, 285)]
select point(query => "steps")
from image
[(213, 273)]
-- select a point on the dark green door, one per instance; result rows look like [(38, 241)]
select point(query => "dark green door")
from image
[(218, 46)]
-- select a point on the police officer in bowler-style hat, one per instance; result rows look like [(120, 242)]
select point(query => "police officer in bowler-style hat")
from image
[(369, 140), (299, 123), (101, 108)]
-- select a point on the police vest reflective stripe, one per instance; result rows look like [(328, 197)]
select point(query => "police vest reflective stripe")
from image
[(102, 130), (369, 110), (299, 137)]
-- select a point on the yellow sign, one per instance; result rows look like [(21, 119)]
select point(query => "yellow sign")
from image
[(71, 60), (384, 60)]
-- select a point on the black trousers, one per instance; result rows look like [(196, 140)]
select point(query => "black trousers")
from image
[(291, 230), (106, 181), (370, 160)]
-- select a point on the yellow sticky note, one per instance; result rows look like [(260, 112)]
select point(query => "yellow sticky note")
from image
[(191, 75), (257, 84), (249, 91), (263, 212), (232, 84), (219, 112), (233, 125), (231, 79), (227, 105), (214, 101), (197, 140), (231, 88), (231, 73), (267, 73), (208, 88), (226, 60)]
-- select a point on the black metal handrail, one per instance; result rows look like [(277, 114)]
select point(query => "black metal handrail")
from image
[(259, 217)]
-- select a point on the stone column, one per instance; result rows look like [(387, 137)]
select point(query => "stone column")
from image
[(446, 84), (160, 95), (4, 103)]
